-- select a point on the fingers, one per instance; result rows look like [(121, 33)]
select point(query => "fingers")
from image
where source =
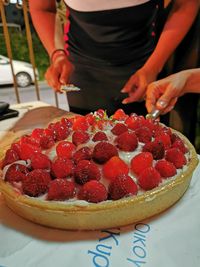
[(152, 94), (64, 77), (166, 98)]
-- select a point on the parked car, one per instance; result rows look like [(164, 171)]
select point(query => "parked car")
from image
[(23, 71)]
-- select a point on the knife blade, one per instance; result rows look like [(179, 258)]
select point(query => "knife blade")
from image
[(69, 88)]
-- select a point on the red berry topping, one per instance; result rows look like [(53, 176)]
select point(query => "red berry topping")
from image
[(100, 113), (134, 122), (61, 131), (16, 148), (175, 156), (90, 118), (127, 141), (178, 143), (28, 150), (62, 168), (165, 139), (149, 178), (40, 161), (141, 162), (114, 167), (144, 134), (122, 186), (16, 173), (80, 124), (119, 128), (10, 157), (83, 153), (165, 168), (93, 191), (86, 171), (36, 183), (68, 123), (65, 149), (100, 136), (61, 189), (120, 115), (103, 151), (80, 137), (155, 148)]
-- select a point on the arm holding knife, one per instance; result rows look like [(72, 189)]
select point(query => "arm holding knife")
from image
[(163, 94)]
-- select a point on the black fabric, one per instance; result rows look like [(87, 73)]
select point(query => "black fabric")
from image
[(106, 48)]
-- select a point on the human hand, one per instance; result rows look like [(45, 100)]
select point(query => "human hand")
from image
[(137, 85), (163, 94), (59, 71)]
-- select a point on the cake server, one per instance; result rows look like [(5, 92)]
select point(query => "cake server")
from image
[(154, 114), (69, 88)]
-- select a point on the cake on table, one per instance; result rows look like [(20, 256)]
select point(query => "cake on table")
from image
[(96, 172)]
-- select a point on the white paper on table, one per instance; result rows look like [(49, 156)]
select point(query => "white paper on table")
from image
[(171, 239)]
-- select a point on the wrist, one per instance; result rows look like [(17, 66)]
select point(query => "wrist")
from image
[(58, 53)]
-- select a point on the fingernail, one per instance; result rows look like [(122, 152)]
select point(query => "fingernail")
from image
[(161, 103), (123, 90)]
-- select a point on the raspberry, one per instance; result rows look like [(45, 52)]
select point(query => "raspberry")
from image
[(165, 139), (93, 191), (62, 168), (134, 122), (114, 167), (165, 168), (103, 151), (28, 150), (16, 173), (178, 143), (155, 148), (10, 157), (61, 189), (100, 113), (83, 153), (36, 183), (80, 137), (65, 149), (122, 186), (90, 118), (61, 131), (37, 133), (16, 147), (175, 156), (149, 178), (80, 124), (127, 141), (86, 171), (119, 128), (141, 162), (40, 161), (67, 122), (143, 134), (119, 115), (100, 136)]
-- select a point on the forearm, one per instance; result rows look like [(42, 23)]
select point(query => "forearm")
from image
[(176, 27), (46, 23), (193, 81)]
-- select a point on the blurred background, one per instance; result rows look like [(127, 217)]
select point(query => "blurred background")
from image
[(23, 62)]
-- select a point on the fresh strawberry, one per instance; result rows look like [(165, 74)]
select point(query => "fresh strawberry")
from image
[(149, 178), (175, 156), (93, 191), (119, 115), (83, 153), (28, 150), (143, 134), (103, 151), (86, 171), (40, 161), (10, 157), (100, 113), (61, 189), (122, 186), (36, 183), (114, 167), (156, 148), (127, 141), (119, 128), (90, 118), (165, 168), (16, 173), (99, 136), (140, 162), (62, 168), (65, 149), (80, 137), (80, 124)]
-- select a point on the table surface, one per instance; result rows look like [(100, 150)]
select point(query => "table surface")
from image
[(170, 239)]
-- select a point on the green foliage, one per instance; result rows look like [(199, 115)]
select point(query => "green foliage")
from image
[(20, 50)]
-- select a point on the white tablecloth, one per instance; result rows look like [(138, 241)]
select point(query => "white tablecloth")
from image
[(170, 239)]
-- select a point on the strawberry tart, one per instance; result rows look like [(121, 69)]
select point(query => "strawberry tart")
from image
[(95, 172)]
